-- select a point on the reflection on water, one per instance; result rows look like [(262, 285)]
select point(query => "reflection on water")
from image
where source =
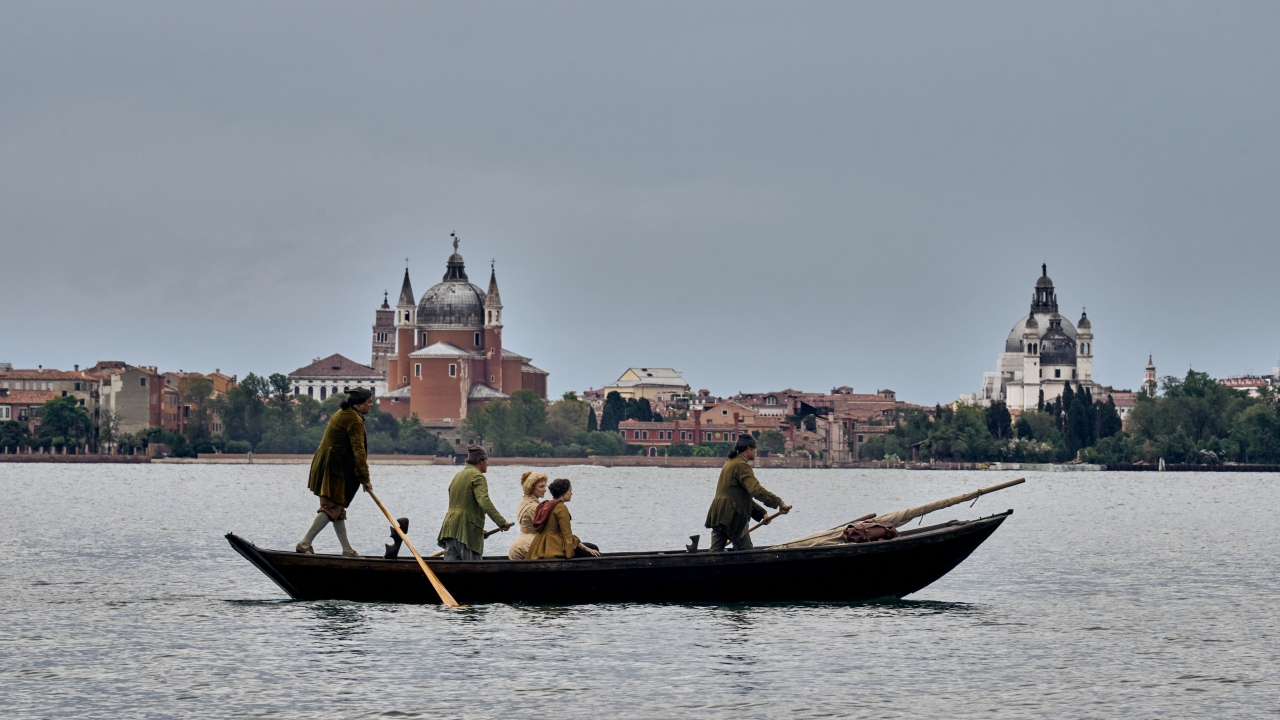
[(1135, 618)]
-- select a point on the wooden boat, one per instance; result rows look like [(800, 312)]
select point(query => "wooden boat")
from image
[(832, 573)]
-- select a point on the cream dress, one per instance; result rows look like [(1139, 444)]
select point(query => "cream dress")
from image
[(524, 518)]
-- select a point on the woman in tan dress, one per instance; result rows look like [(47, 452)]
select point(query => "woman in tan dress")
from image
[(535, 486), (555, 538)]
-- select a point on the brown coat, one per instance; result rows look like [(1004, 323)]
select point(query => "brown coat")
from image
[(556, 539), (341, 464), (733, 506)]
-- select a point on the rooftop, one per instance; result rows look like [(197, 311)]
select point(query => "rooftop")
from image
[(443, 350), (336, 366)]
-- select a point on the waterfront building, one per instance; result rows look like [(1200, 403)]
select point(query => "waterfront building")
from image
[(335, 374), (1042, 354), (133, 394), (448, 357), (83, 387)]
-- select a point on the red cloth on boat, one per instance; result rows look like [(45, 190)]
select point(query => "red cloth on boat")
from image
[(543, 512)]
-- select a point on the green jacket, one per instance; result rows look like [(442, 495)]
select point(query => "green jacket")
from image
[(733, 507), (341, 463), (468, 504)]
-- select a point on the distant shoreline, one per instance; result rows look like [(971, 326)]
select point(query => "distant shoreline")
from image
[(633, 461)]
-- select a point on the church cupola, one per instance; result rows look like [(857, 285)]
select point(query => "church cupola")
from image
[(492, 301), (1149, 379), (1044, 300), (455, 268)]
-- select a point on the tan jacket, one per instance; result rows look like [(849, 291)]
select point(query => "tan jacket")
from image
[(524, 518), (556, 539)]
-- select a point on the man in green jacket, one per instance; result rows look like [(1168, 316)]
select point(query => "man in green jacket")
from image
[(462, 534), (733, 506), (339, 468)]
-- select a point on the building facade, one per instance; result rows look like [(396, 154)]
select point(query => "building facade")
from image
[(1043, 353), (335, 374), (448, 358)]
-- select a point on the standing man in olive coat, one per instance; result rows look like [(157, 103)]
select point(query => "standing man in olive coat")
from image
[(733, 506), (462, 534), (339, 468)]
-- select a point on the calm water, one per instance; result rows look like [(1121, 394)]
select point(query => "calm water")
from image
[(1105, 595)]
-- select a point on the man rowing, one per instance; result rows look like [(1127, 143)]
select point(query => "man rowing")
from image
[(340, 466), (734, 505), (462, 534)]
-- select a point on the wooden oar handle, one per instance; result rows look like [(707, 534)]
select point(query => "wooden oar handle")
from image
[(445, 597), (487, 533), (767, 519)]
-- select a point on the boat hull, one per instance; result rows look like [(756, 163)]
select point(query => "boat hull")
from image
[(837, 573)]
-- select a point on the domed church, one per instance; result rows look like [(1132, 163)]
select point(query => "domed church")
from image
[(1043, 353), (442, 355)]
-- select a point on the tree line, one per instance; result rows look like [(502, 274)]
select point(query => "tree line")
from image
[(1194, 419)]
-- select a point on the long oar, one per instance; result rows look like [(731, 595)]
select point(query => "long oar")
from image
[(445, 597), (767, 519)]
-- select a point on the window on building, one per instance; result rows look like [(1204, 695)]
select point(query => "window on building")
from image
[(346, 388), (64, 393), (334, 391), (1073, 374), (24, 414), (4, 412), (1057, 373), (77, 387), (322, 389), (310, 391), (645, 434), (453, 370), (417, 370), (297, 390), (493, 379), (477, 339), (424, 340), (142, 382)]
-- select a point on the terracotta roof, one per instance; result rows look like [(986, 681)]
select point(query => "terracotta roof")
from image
[(27, 374), (508, 354), (443, 350), (531, 370), (336, 366), (27, 397)]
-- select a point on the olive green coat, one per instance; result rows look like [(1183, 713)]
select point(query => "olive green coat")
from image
[(341, 463), (733, 507), (468, 504)]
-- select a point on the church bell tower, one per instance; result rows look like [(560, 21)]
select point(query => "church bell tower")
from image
[(406, 309), (493, 333)]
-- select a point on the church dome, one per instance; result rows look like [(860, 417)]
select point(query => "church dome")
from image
[(454, 302), (1084, 323), (1044, 282), (1013, 343), (1056, 347)]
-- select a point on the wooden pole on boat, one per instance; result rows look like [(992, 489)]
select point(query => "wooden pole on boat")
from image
[(487, 533), (445, 597)]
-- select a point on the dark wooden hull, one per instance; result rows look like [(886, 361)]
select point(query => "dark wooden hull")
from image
[(838, 573)]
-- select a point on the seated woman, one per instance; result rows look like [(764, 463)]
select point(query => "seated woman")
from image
[(535, 486), (555, 538)]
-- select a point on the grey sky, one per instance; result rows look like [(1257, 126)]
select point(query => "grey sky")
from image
[(760, 195)]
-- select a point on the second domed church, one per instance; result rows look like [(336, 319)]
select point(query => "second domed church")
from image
[(442, 355), (1042, 353)]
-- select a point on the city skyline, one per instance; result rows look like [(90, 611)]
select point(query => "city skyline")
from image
[(760, 197)]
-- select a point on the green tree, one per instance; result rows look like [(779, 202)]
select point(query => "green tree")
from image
[(566, 417), (774, 442), (615, 411), (65, 418), (998, 420), (1109, 422), (592, 426), (197, 394)]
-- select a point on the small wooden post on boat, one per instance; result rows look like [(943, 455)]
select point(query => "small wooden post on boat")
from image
[(445, 597)]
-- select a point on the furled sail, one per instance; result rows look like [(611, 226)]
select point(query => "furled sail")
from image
[(897, 519)]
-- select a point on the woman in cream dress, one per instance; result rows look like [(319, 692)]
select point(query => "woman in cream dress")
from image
[(535, 487)]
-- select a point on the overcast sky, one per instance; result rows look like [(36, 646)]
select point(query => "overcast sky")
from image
[(759, 195)]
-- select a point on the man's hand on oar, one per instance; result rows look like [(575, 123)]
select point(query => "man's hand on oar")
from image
[(500, 528), (769, 518)]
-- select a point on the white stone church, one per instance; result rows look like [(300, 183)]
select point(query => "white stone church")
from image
[(1043, 353)]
